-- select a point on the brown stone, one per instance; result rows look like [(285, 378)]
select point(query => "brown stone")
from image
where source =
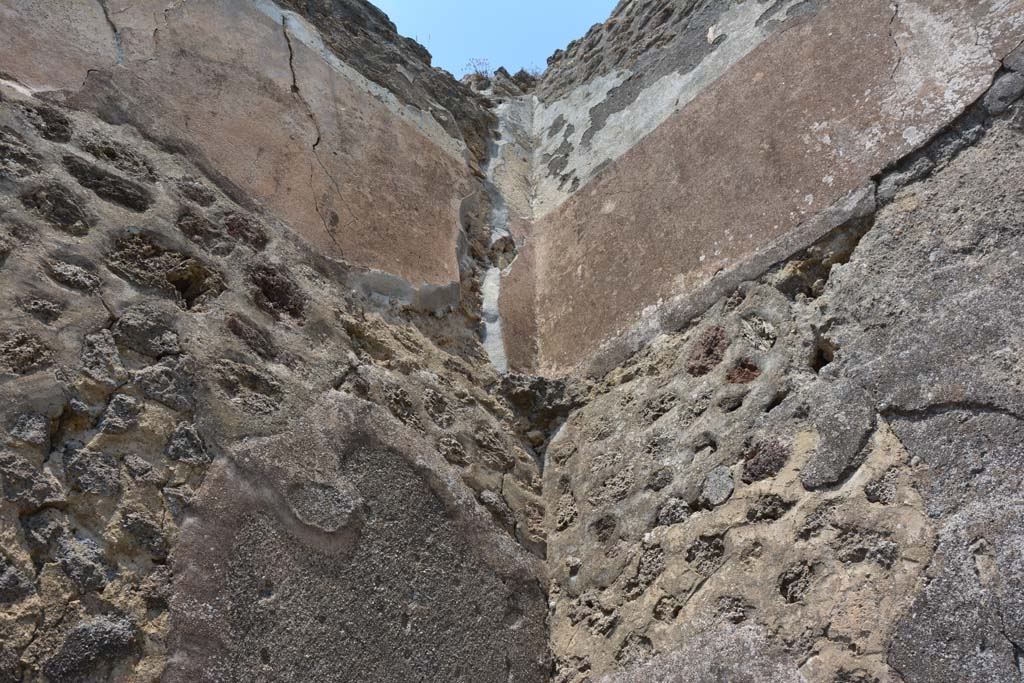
[(76, 36), (271, 116), (804, 119)]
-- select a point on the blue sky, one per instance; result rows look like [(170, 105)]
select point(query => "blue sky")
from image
[(509, 33)]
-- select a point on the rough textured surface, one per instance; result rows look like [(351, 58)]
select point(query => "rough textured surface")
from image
[(145, 353), (262, 268), (278, 536), (874, 529)]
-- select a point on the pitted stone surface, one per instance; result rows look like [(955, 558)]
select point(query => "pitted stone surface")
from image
[(249, 259), (129, 387), (874, 483), (387, 521)]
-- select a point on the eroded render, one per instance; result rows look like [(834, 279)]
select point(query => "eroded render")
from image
[(695, 359)]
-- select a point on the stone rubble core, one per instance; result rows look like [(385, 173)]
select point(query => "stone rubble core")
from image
[(695, 358)]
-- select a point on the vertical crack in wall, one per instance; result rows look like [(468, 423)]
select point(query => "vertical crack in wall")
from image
[(490, 288), (330, 224), (1016, 649), (500, 188), (513, 138), (892, 36), (508, 185), (118, 42)]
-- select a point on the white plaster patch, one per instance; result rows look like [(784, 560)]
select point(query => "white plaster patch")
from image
[(507, 190), (654, 105), (574, 109), (943, 59), (16, 87), (494, 339), (914, 136)]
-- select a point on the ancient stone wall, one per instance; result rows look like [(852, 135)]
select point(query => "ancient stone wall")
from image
[(209, 417), (262, 103), (627, 76), (767, 117), (754, 267), (817, 480)]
